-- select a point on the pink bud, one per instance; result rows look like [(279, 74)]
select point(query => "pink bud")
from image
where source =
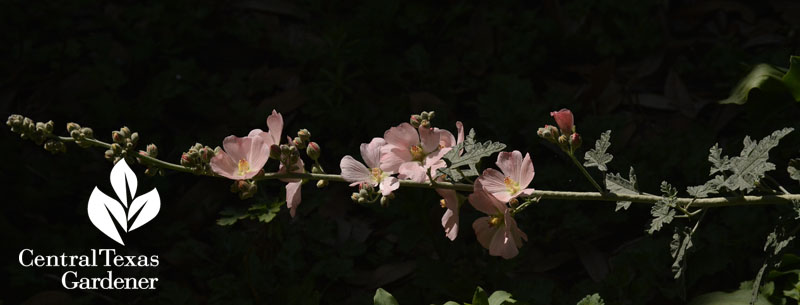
[(564, 120)]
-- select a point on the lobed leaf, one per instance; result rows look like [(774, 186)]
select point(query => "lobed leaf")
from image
[(751, 164), (681, 243), (597, 157), (618, 185), (794, 169), (593, 299), (468, 154), (663, 210)]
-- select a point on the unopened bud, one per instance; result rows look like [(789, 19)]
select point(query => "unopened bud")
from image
[(363, 192), (72, 126), (513, 202), (116, 148), (299, 143), (313, 150), (304, 135), (116, 137), (125, 131), (384, 201), (48, 127), (354, 197), (75, 134), (317, 170), (185, 161), (152, 150), (135, 138), (54, 146), (415, 120), (87, 132), (362, 200), (109, 154), (575, 141), (275, 152), (322, 183)]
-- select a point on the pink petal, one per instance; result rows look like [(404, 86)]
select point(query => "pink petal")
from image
[(511, 226), (493, 182), (564, 120), (293, 196), (275, 124), (354, 171), (371, 153), (237, 148), (450, 217), (484, 231), (527, 192), (503, 245), (460, 128), (392, 157), (526, 172), (404, 135), (258, 156), (435, 167), (389, 185), (436, 156), (510, 163), (429, 139), (485, 202), (413, 171), (223, 165), (446, 139)]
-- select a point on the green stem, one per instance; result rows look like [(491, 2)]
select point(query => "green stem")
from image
[(585, 173), (543, 194)]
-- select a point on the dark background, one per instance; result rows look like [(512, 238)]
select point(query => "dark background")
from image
[(181, 72)]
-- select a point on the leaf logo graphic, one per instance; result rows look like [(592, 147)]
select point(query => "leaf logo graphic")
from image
[(104, 210)]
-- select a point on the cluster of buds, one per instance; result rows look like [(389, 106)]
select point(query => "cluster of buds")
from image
[(123, 146), (152, 152), (288, 155), (302, 138), (82, 135), (564, 135), (245, 188), (198, 157), (38, 132), (368, 194), (423, 119)]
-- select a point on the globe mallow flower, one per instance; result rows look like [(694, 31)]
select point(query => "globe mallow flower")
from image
[(497, 231), (241, 158), (450, 197), (517, 173), (564, 120), (355, 172), (412, 152)]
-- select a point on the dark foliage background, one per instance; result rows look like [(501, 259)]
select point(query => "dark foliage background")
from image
[(181, 72)]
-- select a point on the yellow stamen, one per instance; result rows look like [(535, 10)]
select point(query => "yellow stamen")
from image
[(511, 185), (244, 167), (377, 174), (443, 203), (496, 221), (417, 154)]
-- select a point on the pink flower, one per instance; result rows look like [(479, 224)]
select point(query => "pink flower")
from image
[(512, 182), (497, 232), (355, 172), (412, 152), (273, 136), (564, 120), (450, 217), (293, 186), (450, 198), (242, 158)]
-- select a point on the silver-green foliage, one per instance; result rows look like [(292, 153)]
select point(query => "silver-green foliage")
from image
[(597, 157), (468, 154)]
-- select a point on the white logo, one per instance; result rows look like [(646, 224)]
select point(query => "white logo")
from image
[(103, 210)]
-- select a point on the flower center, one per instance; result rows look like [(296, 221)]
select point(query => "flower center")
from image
[(244, 167), (443, 203), (417, 154), (496, 220), (511, 185), (377, 174)]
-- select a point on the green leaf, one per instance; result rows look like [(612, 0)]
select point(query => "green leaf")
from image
[(593, 299), (451, 303), (763, 77), (618, 185), (681, 243), (719, 163), (383, 297), (662, 211), (738, 297), (597, 157), (794, 169), (230, 217), (792, 78), (501, 297), (480, 298), (751, 164), (472, 154)]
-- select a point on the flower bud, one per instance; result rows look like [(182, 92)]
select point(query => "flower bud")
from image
[(109, 154), (185, 161), (317, 170), (354, 197), (575, 141), (152, 150), (75, 134), (72, 126), (116, 137), (384, 201), (299, 143), (322, 183), (415, 120), (363, 192), (125, 131), (362, 200), (304, 135), (39, 126), (135, 138), (275, 152), (48, 127), (54, 146), (564, 120), (313, 150), (116, 148), (87, 132)]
